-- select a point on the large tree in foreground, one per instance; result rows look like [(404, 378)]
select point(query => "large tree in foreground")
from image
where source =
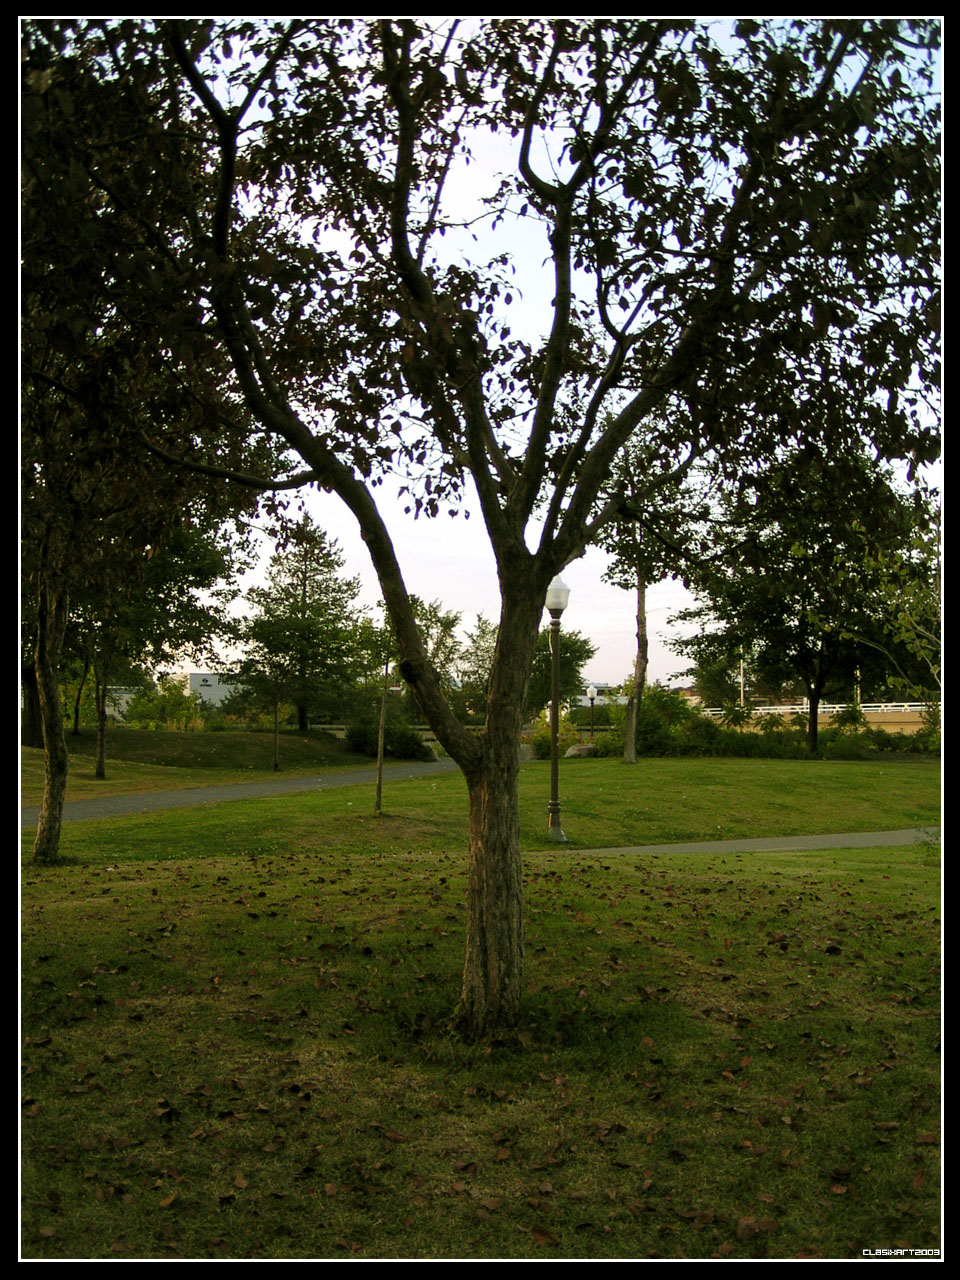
[(730, 218)]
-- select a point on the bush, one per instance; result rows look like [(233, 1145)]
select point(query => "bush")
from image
[(539, 739), (663, 718), (165, 705), (400, 739)]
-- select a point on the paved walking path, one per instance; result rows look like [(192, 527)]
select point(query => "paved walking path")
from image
[(784, 844), (146, 801)]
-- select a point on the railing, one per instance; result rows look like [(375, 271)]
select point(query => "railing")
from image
[(827, 708)]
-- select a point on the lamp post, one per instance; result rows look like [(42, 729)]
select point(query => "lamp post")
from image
[(591, 694), (558, 594)]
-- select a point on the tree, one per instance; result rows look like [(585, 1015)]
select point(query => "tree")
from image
[(152, 606), (440, 639), (909, 579), (792, 589), (301, 641), (575, 652), (648, 543), (475, 665), (732, 215), (97, 370)]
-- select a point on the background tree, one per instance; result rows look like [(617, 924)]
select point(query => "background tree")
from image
[(575, 652), (98, 366), (301, 640), (151, 607), (649, 545), (439, 635), (793, 587), (910, 580), (474, 667), (733, 216)]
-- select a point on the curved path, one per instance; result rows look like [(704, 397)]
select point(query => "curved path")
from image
[(145, 802)]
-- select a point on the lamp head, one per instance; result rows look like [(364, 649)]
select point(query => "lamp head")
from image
[(558, 594)]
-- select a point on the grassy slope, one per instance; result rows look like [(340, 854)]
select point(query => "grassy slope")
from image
[(145, 760)]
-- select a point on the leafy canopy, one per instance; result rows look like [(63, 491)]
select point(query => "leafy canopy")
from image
[(738, 221)]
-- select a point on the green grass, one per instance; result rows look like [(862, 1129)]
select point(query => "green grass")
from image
[(604, 803), (141, 760), (237, 1034)]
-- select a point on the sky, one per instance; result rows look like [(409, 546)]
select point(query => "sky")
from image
[(450, 560)]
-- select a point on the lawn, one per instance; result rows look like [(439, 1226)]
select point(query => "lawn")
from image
[(141, 760), (238, 1043)]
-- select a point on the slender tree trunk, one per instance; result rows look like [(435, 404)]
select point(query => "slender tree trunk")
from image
[(31, 722), (813, 722), (493, 968), (639, 677), (52, 612), (100, 698), (378, 802), (276, 735), (75, 731)]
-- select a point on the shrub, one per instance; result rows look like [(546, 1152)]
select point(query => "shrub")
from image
[(539, 738), (165, 705), (400, 739)]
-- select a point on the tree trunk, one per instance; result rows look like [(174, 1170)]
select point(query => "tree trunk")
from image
[(381, 728), (52, 612), (813, 722), (276, 735), (493, 968), (100, 703), (101, 698), (639, 677), (75, 731), (31, 722)]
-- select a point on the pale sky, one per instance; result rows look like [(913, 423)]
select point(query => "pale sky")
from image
[(449, 559)]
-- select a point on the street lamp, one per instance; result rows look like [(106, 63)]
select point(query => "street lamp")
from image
[(591, 694), (558, 594)]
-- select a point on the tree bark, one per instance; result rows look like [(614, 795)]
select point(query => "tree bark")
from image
[(639, 676), (493, 967), (52, 612), (100, 698), (75, 731), (31, 722)]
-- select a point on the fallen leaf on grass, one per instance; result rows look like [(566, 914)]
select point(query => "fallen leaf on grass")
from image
[(699, 1218), (542, 1236)]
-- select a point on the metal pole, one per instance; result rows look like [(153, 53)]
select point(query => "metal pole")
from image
[(554, 829)]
